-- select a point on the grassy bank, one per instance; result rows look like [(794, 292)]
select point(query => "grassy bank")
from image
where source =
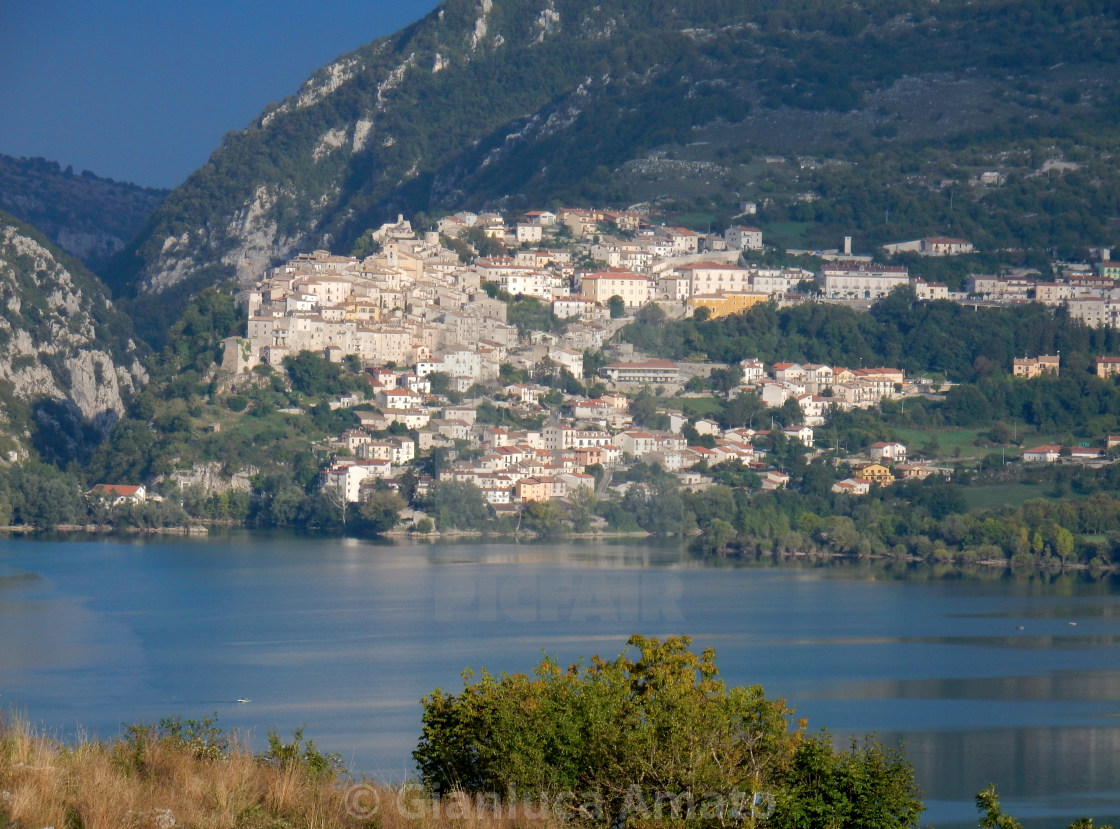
[(158, 778)]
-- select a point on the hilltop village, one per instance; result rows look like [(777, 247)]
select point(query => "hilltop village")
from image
[(441, 337)]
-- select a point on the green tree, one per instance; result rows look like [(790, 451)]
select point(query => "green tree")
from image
[(284, 506), (725, 379), (529, 314), (993, 817), (718, 535), (312, 375), (440, 381), (300, 758), (5, 508), (457, 505), (617, 307), (987, 802), (654, 736), (1063, 544), (662, 722), (381, 512), (42, 496), (644, 412), (581, 507), (866, 787), (542, 517)]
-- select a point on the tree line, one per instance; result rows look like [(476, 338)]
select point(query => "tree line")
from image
[(962, 343)]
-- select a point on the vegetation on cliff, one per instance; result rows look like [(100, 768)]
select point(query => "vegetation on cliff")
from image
[(68, 360)]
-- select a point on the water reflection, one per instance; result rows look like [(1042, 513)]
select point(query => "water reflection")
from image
[(1096, 686), (345, 637)]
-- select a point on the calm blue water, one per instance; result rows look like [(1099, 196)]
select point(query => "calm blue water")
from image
[(345, 637)]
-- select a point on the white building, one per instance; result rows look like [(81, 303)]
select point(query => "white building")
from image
[(888, 452), (715, 278), (753, 370), (860, 280), (529, 234), (346, 477), (651, 371), (743, 238), (463, 363), (634, 290)]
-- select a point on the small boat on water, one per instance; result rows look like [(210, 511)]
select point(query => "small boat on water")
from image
[(244, 700)]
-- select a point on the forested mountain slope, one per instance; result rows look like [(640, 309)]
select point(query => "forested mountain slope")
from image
[(523, 103), (85, 215)]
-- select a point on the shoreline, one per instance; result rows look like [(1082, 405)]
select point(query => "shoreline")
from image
[(204, 526)]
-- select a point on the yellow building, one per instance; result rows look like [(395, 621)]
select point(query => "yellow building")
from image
[(875, 473), (361, 310), (730, 302), (1031, 367), (1108, 366), (533, 489)]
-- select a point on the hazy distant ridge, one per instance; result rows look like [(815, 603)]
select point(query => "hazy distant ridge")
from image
[(88, 216)]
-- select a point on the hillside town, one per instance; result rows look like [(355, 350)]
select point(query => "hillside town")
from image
[(435, 334)]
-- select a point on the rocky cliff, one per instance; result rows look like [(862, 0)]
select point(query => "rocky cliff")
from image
[(67, 362)]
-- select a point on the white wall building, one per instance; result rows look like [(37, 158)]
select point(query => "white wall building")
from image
[(743, 238), (859, 280)]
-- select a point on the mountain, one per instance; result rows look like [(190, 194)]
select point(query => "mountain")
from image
[(67, 357), (85, 215), (520, 103)]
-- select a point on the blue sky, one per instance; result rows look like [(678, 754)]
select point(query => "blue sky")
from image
[(144, 91)]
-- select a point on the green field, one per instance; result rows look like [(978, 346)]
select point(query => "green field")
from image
[(789, 234), (1012, 495), (960, 443), (948, 442), (700, 222), (694, 406)]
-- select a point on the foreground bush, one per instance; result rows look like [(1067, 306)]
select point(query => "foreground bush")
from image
[(656, 739)]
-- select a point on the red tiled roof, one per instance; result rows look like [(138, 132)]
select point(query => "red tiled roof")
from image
[(123, 490)]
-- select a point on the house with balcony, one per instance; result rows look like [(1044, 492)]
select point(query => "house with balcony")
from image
[(637, 443), (875, 473), (650, 371), (860, 280)]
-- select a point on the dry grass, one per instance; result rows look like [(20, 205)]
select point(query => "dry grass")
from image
[(159, 784)]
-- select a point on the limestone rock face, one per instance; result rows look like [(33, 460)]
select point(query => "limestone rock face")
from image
[(61, 341)]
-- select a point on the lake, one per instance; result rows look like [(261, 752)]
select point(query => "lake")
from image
[(344, 637)]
